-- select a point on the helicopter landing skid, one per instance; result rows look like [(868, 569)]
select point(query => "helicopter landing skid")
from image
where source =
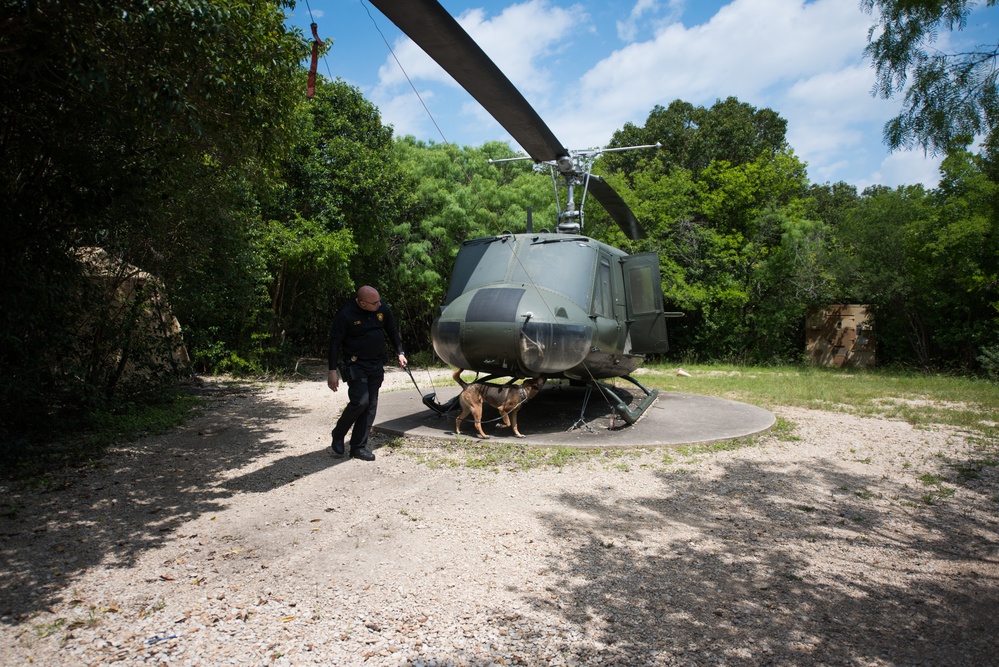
[(628, 414), (581, 422)]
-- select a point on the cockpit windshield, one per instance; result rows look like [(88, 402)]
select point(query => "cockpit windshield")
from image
[(480, 262), (563, 265)]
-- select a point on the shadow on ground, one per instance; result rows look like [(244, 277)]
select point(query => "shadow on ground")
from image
[(54, 528)]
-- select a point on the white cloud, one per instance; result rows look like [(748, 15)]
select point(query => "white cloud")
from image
[(649, 13), (804, 59), (744, 50), (906, 168)]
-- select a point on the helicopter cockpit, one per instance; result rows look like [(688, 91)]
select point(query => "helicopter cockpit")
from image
[(511, 259)]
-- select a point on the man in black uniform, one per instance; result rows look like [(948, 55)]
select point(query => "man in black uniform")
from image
[(358, 334)]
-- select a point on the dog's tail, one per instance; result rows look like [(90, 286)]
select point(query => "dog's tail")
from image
[(457, 377)]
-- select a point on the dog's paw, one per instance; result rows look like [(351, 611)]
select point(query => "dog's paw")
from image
[(518, 435)]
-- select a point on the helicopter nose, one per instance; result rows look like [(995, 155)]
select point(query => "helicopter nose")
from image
[(479, 330), (548, 348), (500, 329)]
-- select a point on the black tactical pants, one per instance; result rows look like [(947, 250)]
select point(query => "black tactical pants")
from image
[(364, 379)]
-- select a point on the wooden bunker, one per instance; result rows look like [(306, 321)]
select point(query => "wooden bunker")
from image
[(841, 335)]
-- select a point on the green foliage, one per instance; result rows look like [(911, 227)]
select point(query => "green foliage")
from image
[(694, 137), (724, 204), (118, 123), (989, 360), (328, 219), (87, 436), (831, 203), (949, 97), (307, 265), (929, 263)]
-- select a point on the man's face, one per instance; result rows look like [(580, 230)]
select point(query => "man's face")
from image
[(370, 301)]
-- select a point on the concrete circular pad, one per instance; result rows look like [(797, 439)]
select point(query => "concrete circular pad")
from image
[(548, 419)]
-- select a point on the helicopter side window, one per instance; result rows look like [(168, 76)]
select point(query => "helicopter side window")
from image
[(643, 299), (602, 297)]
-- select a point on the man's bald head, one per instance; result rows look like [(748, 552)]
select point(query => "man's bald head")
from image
[(368, 298)]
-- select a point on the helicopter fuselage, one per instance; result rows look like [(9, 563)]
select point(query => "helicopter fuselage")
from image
[(558, 305)]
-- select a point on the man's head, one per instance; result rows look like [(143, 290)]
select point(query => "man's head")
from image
[(368, 299)]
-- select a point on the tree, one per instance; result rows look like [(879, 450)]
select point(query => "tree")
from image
[(692, 137), (328, 223), (948, 96), (960, 249), (122, 124), (831, 203), (877, 265)]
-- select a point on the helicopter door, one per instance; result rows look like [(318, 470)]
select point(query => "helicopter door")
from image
[(643, 293)]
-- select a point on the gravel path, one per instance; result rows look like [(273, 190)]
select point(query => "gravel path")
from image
[(239, 540)]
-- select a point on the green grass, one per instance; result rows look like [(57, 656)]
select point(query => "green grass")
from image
[(922, 399), (482, 455)]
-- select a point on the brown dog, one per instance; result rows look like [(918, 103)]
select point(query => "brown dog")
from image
[(507, 399)]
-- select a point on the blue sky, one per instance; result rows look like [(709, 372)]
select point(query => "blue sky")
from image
[(590, 66)]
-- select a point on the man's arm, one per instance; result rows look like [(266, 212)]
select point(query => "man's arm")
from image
[(393, 332), (336, 338)]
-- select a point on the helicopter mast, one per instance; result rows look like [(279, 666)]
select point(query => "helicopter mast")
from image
[(576, 168)]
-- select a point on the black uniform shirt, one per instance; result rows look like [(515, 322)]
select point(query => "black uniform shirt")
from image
[(360, 334)]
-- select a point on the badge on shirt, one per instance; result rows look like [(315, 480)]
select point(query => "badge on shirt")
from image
[(380, 317)]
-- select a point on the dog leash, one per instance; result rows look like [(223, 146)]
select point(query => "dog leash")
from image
[(430, 400)]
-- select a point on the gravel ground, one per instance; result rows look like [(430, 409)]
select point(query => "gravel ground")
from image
[(239, 540)]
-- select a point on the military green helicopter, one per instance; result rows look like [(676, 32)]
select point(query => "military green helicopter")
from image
[(557, 304)]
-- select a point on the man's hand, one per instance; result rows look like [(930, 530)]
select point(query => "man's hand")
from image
[(402, 360), (333, 380)]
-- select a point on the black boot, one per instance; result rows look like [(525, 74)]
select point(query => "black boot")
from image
[(337, 445), (362, 453)]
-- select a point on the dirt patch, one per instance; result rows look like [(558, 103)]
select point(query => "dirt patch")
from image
[(239, 539)]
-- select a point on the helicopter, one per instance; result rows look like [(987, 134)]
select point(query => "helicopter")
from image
[(555, 304)]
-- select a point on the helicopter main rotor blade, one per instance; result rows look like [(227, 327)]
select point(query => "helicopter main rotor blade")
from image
[(615, 205), (443, 39)]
